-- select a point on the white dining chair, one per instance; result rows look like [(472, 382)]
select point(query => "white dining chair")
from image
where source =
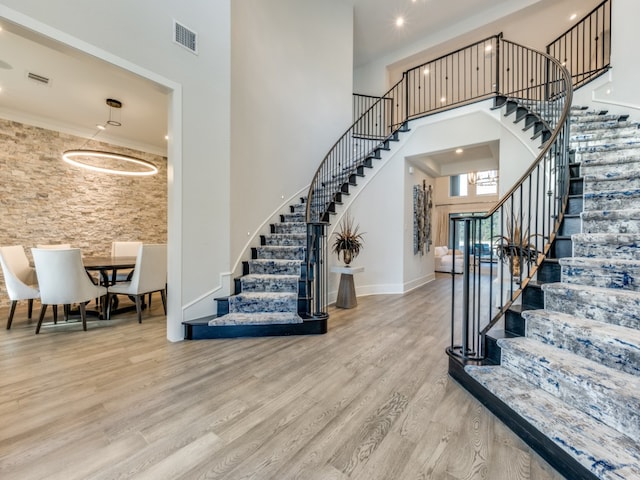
[(123, 249), (149, 275), (64, 281), (19, 278)]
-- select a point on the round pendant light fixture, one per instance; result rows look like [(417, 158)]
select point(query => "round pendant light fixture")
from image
[(109, 162), (92, 160)]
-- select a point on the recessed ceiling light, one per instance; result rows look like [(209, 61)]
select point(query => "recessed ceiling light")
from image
[(426, 71), (459, 151), (443, 99), (399, 21), (573, 16), (488, 48), (100, 127)]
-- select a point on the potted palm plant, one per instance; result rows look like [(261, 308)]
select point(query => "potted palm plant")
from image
[(516, 247), (348, 240)]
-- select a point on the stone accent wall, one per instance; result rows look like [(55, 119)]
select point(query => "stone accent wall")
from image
[(45, 200)]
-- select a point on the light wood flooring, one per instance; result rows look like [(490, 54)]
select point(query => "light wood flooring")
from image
[(369, 400)]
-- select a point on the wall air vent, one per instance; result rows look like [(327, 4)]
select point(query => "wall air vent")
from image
[(37, 78), (185, 37)]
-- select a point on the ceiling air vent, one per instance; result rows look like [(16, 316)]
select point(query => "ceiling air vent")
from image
[(37, 78), (185, 37)]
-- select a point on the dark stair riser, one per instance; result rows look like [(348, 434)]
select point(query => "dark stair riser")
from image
[(562, 247), (570, 224), (576, 186), (532, 297), (574, 205), (549, 271), (514, 324)]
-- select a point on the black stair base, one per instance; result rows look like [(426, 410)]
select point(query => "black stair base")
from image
[(541, 444), (200, 330)]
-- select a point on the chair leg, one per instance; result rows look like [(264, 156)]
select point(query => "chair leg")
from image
[(43, 310), (150, 293), (139, 307), (30, 308), (163, 295), (83, 315), (55, 314), (11, 312), (67, 311)]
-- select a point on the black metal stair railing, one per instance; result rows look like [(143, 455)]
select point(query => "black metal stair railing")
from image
[(524, 223), (467, 75), (585, 49), (538, 89)]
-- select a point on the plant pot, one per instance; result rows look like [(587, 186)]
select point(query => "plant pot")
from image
[(347, 256)]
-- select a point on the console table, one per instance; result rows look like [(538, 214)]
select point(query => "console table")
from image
[(346, 290)]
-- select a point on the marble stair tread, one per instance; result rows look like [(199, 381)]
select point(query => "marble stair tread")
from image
[(286, 239), (601, 272), (581, 436), (623, 180), (299, 207), (613, 159), (611, 245), (610, 345), (611, 305), (611, 221), (612, 199), (290, 227), (260, 318), (269, 283), (627, 143), (275, 266), (282, 252), (293, 217), (255, 302), (604, 136), (599, 122), (608, 395)]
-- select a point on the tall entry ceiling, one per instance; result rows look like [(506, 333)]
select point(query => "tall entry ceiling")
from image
[(74, 99)]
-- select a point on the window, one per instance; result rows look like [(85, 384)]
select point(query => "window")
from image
[(458, 185), (486, 182)]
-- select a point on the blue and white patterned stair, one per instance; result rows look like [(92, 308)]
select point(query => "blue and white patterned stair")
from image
[(575, 376), (268, 294)]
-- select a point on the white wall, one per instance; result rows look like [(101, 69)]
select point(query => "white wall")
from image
[(382, 204), (618, 92), (291, 95), (138, 36), (373, 79)]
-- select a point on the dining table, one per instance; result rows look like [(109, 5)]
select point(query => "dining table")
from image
[(107, 267)]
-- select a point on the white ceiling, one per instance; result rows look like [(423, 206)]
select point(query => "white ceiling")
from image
[(74, 99)]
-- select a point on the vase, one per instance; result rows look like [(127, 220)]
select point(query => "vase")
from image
[(347, 257), (515, 265)]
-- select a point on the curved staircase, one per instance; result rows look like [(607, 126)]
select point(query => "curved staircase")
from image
[(271, 297), (570, 385)]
